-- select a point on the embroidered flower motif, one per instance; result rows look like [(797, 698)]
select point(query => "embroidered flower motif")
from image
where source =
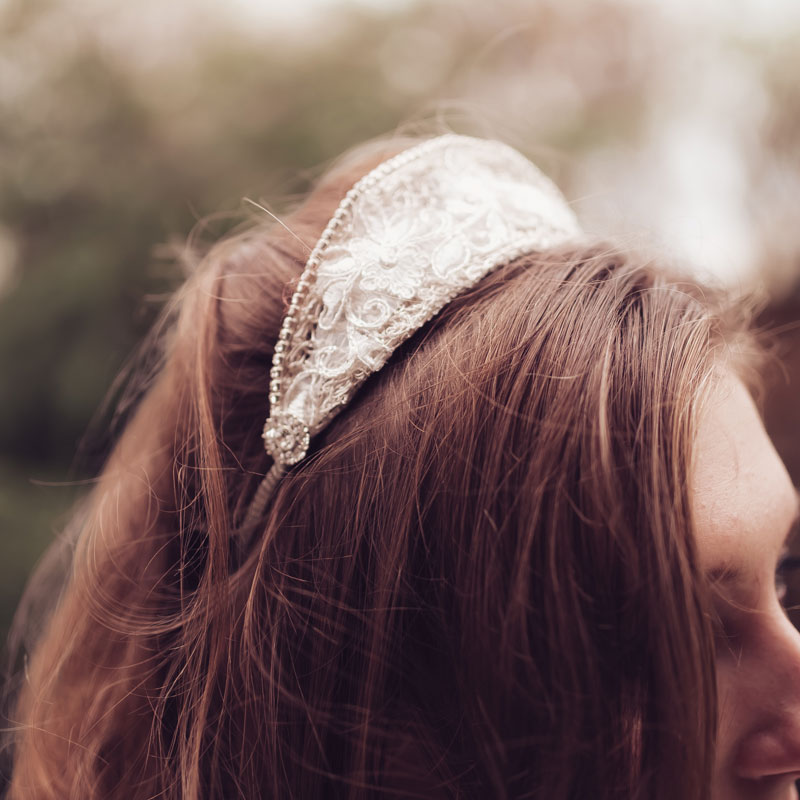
[(390, 251)]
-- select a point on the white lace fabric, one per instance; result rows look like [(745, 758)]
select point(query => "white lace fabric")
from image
[(411, 235)]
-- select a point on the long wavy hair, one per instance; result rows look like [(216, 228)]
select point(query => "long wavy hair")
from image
[(481, 583)]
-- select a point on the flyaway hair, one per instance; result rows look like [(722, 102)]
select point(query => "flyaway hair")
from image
[(480, 582)]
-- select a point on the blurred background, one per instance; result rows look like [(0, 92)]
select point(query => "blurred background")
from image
[(124, 127)]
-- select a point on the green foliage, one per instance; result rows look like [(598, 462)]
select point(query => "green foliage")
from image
[(99, 165)]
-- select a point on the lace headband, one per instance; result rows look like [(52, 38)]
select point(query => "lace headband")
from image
[(412, 234)]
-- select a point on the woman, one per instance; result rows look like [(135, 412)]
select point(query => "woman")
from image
[(517, 532)]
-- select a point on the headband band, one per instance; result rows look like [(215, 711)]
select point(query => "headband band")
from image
[(412, 234)]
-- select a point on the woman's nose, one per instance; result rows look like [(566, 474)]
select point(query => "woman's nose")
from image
[(771, 742)]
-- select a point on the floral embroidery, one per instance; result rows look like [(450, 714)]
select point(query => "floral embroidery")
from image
[(412, 234)]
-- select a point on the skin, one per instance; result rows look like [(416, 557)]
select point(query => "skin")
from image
[(745, 509)]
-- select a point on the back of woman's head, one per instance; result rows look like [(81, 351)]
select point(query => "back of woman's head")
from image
[(480, 583)]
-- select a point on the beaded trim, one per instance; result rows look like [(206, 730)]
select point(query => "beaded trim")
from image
[(286, 438)]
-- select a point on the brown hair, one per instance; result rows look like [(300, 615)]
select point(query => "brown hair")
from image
[(482, 582)]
